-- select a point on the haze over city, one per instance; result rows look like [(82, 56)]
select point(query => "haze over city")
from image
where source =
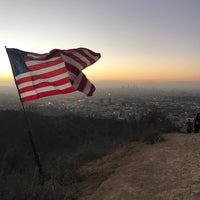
[(139, 40)]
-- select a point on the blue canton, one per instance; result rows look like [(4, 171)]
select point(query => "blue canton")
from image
[(17, 60)]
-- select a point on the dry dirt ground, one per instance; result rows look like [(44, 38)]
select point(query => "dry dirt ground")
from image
[(168, 170)]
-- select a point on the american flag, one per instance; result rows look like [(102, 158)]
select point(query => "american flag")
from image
[(56, 72)]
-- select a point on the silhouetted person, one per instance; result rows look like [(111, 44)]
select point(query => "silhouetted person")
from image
[(189, 125), (197, 123)]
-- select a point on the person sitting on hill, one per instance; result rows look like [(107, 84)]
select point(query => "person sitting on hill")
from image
[(197, 123), (189, 125)]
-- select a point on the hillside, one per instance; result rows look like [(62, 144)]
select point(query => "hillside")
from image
[(65, 144), (167, 170)]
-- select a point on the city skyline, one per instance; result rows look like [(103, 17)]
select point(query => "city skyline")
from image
[(139, 40)]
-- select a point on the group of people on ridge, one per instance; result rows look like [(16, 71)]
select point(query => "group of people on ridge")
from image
[(194, 125)]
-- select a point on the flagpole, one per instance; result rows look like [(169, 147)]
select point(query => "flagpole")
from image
[(40, 169)]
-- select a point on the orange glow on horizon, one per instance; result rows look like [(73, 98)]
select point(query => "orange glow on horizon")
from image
[(128, 76), (142, 74), (145, 72)]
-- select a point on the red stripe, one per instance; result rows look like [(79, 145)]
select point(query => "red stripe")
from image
[(82, 83), (51, 74), (90, 51), (91, 60), (73, 69), (92, 89), (77, 59), (45, 65), (44, 84), (42, 76), (49, 93), (93, 53), (68, 51), (23, 80)]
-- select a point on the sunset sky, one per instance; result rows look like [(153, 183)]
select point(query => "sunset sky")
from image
[(139, 40)]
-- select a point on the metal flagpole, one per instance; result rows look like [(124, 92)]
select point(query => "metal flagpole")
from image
[(40, 169)]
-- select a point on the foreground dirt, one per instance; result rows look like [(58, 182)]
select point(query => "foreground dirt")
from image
[(168, 170)]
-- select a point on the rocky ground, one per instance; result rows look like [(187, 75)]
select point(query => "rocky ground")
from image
[(168, 170)]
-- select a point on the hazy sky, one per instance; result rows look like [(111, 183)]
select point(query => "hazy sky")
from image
[(138, 39)]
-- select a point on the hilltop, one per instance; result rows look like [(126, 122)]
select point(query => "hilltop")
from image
[(164, 171)]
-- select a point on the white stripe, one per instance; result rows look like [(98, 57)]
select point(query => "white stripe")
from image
[(83, 58), (45, 89), (72, 62), (90, 55), (72, 75), (40, 56), (49, 80), (87, 87), (38, 62), (40, 71), (23, 75), (77, 80)]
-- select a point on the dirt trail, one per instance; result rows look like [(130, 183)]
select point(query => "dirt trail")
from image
[(168, 170)]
